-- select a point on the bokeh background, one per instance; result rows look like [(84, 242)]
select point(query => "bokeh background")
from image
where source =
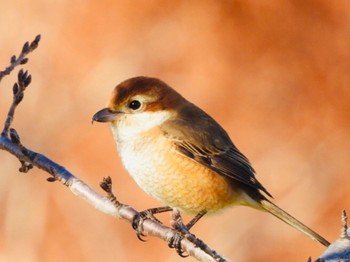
[(274, 73)]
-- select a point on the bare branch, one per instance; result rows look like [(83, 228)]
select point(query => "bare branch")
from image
[(102, 203), (10, 141)]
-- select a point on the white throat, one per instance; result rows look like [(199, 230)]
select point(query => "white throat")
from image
[(129, 126)]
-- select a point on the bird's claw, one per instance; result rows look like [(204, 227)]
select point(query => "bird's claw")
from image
[(183, 231), (139, 218), (175, 242), (137, 226)]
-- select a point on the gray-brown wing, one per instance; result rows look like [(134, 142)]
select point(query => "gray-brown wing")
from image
[(200, 138)]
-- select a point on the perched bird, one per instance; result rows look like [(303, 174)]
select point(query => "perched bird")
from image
[(180, 155)]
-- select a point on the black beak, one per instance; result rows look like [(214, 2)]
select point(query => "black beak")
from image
[(105, 115)]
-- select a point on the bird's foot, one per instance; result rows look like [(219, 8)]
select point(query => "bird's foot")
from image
[(183, 231), (139, 218), (175, 242)]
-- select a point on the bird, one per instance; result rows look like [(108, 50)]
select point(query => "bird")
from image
[(181, 156)]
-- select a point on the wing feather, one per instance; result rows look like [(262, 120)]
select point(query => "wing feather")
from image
[(201, 138)]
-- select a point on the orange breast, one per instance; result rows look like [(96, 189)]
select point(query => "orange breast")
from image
[(174, 179)]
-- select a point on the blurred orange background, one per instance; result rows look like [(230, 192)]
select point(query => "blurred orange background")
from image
[(275, 74)]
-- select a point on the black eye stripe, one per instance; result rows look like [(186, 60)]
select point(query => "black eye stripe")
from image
[(135, 104)]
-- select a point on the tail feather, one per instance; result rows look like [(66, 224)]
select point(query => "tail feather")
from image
[(285, 217)]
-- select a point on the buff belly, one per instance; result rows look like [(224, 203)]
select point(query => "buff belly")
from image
[(175, 180)]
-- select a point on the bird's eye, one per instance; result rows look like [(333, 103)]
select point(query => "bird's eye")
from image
[(135, 104)]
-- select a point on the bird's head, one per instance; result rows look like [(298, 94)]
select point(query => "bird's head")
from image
[(140, 103)]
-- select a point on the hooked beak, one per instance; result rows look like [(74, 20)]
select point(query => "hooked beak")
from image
[(105, 115)]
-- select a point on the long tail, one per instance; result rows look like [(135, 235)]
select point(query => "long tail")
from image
[(285, 217)]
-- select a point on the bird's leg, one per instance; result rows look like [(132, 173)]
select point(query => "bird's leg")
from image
[(184, 232), (194, 220), (138, 219)]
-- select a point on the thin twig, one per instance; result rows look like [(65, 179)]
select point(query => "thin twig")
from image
[(21, 59), (24, 79)]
